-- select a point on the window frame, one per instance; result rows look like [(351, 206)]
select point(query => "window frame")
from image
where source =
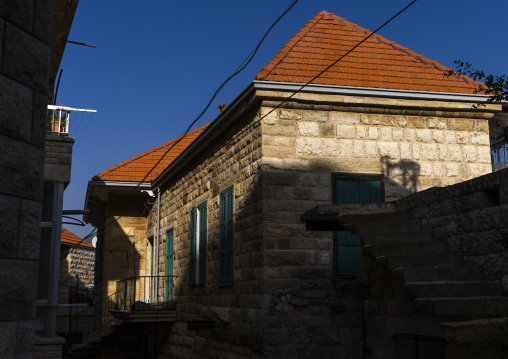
[(198, 228)]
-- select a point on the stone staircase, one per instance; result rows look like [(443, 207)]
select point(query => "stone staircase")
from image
[(464, 306)]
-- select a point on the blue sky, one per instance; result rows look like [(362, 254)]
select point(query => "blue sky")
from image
[(157, 63)]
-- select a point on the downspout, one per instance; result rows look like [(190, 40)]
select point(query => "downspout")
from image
[(156, 242)]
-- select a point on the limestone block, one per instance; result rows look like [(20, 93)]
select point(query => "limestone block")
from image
[(480, 139), (345, 131), (309, 146), (483, 154), (428, 152), (271, 163), (296, 164), (43, 20), (425, 169), (442, 152), (409, 134), (462, 137), (330, 147), (22, 168), (449, 137), (482, 126), (315, 116), (451, 169), (437, 123), (405, 151), (402, 121), (39, 119), (476, 169), (276, 130), (269, 115), (344, 117), (282, 141), (346, 148), (29, 229), (26, 59), (26, 340), (423, 136), (19, 289), (398, 134), (373, 133), (9, 224), (390, 149), (386, 133), (361, 132), (292, 115), (469, 153), (358, 149), (15, 109), (308, 129), (454, 153), (437, 169), (417, 122), (356, 165), (369, 119), (327, 130), (370, 149), (8, 331), (19, 12), (387, 120), (438, 136)]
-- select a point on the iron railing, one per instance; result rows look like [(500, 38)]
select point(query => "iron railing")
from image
[(499, 157), (58, 119), (145, 293)]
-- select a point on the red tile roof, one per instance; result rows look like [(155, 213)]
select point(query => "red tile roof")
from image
[(136, 168), (378, 62), (71, 238)]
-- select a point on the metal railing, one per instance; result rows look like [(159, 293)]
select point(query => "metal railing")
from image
[(58, 119), (145, 293), (499, 157)]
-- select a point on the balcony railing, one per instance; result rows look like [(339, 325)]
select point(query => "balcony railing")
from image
[(58, 119), (499, 157), (145, 293)]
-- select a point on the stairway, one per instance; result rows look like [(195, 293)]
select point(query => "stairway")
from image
[(463, 305)]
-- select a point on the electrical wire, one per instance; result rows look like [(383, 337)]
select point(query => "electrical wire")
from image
[(240, 68)]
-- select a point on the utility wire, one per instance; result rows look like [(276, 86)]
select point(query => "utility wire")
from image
[(240, 68)]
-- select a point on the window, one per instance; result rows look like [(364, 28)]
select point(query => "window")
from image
[(226, 237), (197, 255), (350, 189)]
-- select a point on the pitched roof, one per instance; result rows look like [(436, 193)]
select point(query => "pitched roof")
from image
[(377, 63), (135, 169), (71, 238)]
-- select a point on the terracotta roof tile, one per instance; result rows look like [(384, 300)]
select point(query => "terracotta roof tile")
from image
[(71, 238), (377, 63), (136, 168)]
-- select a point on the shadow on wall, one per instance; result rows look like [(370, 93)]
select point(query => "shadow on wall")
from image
[(401, 177)]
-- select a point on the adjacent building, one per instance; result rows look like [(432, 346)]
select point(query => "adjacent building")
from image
[(207, 250)]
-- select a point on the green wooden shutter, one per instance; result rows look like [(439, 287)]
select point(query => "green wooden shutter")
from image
[(362, 190), (168, 280), (226, 237), (192, 250), (202, 242)]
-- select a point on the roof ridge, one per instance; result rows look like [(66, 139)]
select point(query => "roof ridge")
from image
[(287, 47), (143, 154)]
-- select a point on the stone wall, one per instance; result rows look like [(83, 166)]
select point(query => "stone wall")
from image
[(25, 36), (79, 265), (58, 158)]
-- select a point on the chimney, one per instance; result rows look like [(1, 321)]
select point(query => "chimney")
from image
[(222, 107)]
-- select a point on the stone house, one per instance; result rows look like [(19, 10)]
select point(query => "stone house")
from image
[(33, 35), (215, 228)]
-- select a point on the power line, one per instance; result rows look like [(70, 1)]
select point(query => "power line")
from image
[(240, 68)]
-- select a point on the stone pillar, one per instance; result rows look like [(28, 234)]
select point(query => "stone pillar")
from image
[(25, 37)]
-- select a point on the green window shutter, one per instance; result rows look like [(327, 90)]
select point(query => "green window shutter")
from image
[(202, 208), (192, 251), (226, 237), (352, 190)]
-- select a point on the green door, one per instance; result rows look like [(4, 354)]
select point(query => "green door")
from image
[(350, 190), (168, 280)]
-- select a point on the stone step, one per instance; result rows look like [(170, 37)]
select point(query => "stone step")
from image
[(433, 274), (429, 247), (375, 217), (446, 289), (422, 260), (386, 227), (405, 237), (474, 331), (471, 307)]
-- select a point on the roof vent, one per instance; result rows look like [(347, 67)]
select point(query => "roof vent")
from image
[(222, 107)]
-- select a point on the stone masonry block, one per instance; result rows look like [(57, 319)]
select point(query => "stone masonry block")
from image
[(358, 149), (344, 117), (480, 139), (390, 149), (398, 134), (402, 121), (9, 224), (437, 169), (438, 136), (8, 332), (417, 122), (483, 154), (386, 120), (296, 164), (405, 151), (409, 134), (26, 59), (315, 116), (346, 131), (19, 12), (361, 132), (292, 115), (43, 20), (370, 149), (449, 137), (308, 129), (428, 152), (469, 153), (29, 229), (309, 146), (276, 130), (454, 153), (425, 169), (482, 126), (462, 137), (39, 119), (423, 135), (437, 123), (451, 169), (15, 109), (327, 130), (346, 148), (373, 133), (270, 115), (461, 124), (442, 152), (476, 169), (19, 289), (369, 119), (386, 133), (331, 147)]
